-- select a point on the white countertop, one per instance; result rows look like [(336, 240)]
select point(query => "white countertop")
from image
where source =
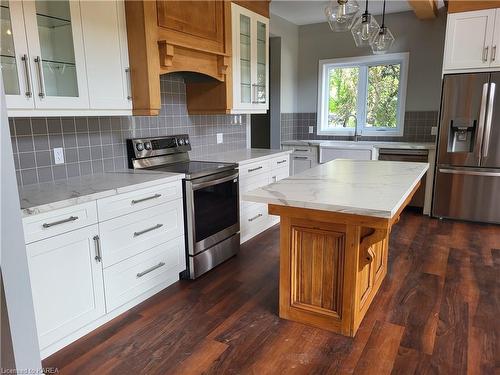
[(49, 196), (243, 156), (361, 187), (363, 144)]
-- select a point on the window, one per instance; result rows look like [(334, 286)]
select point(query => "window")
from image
[(369, 91)]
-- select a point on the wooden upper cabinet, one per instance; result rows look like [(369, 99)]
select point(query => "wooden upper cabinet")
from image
[(198, 24), (183, 36)]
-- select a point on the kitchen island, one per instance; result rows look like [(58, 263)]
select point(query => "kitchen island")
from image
[(335, 225)]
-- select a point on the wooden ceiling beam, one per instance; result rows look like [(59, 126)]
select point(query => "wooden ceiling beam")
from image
[(424, 9)]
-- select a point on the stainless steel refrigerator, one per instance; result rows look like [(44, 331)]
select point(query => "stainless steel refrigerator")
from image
[(467, 184)]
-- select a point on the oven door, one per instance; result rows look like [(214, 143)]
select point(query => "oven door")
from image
[(212, 210)]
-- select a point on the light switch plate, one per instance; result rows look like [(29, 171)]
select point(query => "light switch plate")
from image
[(58, 155), (434, 130), (311, 129), (220, 138)]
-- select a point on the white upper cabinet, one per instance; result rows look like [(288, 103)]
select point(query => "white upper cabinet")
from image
[(14, 57), (106, 54), (250, 61), (55, 43), (471, 40), (64, 57)]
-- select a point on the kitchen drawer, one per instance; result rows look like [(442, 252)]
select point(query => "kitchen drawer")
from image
[(303, 150), (127, 203), (253, 220), (45, 225), (131, 234), (280, 162), (129, 279), (251, 183), (254, 168), (279, 174)]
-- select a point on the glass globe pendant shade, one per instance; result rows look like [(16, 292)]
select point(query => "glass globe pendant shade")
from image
[(364, 30), (340, 14), (382, 41)]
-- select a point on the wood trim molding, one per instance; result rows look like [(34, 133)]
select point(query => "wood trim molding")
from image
[(456, 6), (424, 9), (257, 6), (366, 254)]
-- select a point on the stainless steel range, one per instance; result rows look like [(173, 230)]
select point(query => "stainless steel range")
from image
[(211, 198)]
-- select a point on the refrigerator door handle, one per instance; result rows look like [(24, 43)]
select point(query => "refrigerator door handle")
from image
[(489, 117), (469, 172), (482, 120)]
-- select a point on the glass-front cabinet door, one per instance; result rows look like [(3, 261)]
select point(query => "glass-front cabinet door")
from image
[(57, 64), (14, 57), (250, 61)]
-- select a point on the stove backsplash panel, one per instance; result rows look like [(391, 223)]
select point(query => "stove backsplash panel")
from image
[(97, 144)]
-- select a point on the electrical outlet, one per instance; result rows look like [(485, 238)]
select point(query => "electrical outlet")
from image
[(434, 130), (220, 138), (311, 129), (58, 155)]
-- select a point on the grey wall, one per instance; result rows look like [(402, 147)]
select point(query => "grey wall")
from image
[(424, 40), (289, 34), (97, 144)]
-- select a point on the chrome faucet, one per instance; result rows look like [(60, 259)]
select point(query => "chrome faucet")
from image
[(356, 135)]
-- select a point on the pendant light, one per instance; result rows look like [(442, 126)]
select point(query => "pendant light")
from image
[(340, 14), (382, 40), (364, 29)]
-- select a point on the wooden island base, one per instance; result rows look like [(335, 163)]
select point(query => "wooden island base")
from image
[(331, 265)]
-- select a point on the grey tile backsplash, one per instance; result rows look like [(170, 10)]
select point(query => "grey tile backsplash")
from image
[(97, 144), (417, 127)]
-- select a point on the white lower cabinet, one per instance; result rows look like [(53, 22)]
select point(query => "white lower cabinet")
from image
[(66, 282), (132, 277), (254, 218), (302, 158), (93, 261)]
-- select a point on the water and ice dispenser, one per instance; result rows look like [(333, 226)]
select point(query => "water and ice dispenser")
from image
[(461, 135)]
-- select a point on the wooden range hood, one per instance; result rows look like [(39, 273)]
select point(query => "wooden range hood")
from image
[(180, 36)]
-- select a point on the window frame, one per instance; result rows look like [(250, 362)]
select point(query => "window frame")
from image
[(363, 62)]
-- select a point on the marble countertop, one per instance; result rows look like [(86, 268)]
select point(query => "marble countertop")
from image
[(245, 156), (361, 144), (49, 196), (361, 187)]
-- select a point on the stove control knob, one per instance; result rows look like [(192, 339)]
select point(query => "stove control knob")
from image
[(180, 141), (186, 141), (139, 147), (147, 145)]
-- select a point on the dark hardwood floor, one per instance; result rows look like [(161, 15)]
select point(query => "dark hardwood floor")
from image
[(438, 312)]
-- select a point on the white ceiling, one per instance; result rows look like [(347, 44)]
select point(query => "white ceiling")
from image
[(302, 12)]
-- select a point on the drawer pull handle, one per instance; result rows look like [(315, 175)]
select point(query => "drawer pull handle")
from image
[(135, 201), (254, 218), (97, 242), (301, 150), (300, 157), (281, 161), (71, 218), (254, 169), (151, 269), (157, 226)]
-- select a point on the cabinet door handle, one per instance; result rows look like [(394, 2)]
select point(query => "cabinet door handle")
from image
[(485, 53), (151, 269), (38, 63), (300, 157), (254, 169), (97, 243), (493, 53), (24, 59), (135, 201), (157, 226), (71, 218), (129, 84), (281, 161), (255, 217)]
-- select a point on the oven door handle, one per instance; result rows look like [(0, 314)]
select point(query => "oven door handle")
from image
[(205, 184)]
